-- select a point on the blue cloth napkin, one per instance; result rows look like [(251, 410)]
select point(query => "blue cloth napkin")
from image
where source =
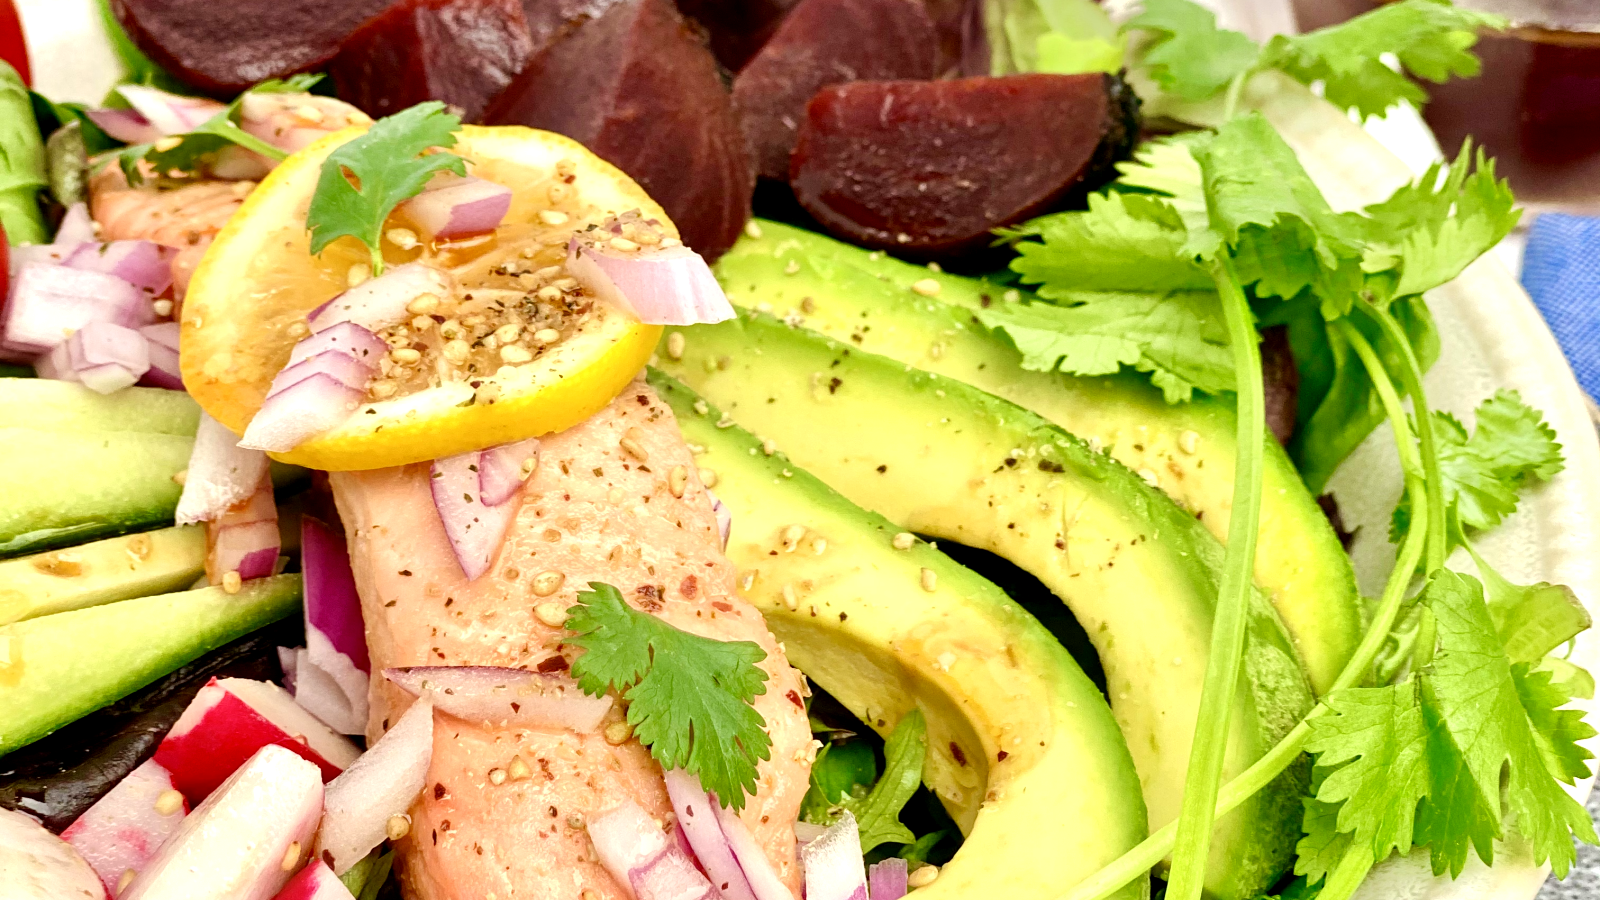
[(1561, 272)]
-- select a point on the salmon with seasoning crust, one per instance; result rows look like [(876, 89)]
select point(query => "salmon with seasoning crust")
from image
[(502, 816)]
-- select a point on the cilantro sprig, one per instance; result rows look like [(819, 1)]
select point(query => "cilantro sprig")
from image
[(877, 811), (364, 180), (689, 697), (212, 135)]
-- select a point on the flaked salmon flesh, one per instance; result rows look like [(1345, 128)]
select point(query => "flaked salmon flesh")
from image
[(187, 218), (592, 511)]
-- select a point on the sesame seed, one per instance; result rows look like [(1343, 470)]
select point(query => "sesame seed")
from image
[(125, 880), (547, 336), (168, 143), (162, 307), (308, 113), (422, 323), (517, 769), (903, 540), (623, 245), (397, 826), (675, 344), (497, 776), (923, 877), (515, 354), (552, 614), (1012, 296), (457, 351), (930, 580), (702, 408), (231, 583), (819, 545), (546, 583), (168, 803), (383, 389), (180, 477), (769, 447), (423, 305), (404, 238), (677, 480), (552, 217), (549, 294), (752, 230), (935, 267), (405, 356), (631, 446), (358, 273), (792, 536), (298, 329), (708, 477), (618, 733), (1189, 441), (791, 600), (291, 856), (792, 267), (575, 822), (1150, 477), (668, 243)]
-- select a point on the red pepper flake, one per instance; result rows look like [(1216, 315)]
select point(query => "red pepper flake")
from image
[(722, 605), (794, 697), (544, 766), (955, 751), (438, 791), (406, 572), (690, 587), (552, 664), (1001, 756)]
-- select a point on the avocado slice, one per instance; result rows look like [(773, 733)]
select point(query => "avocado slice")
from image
[(1185, 449), (1022, 749), (119, 568), (57, 668), (939, 457), (66, 406)]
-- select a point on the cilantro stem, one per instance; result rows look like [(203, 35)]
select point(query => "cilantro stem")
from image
[(1230, 102), (1226, 657), (1405, 445)]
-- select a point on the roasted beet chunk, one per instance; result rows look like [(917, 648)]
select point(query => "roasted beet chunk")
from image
[(225, 46), (463, 52), (929, 168), (738, 28), (638, 87), (826, 42)]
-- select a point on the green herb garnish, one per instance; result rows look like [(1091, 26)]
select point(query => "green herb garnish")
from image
[(217, 132)]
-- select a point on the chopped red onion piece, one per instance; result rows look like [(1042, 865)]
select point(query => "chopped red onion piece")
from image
[(382, 783), (48, 254), (106, 357), (321, 694), (498, 695), (886, 880), (48, 303), (380, 302), (301, 411), (724, 518), (635, 851), (336, 635), (126, 125), (165, 371), (245, 538), (146, 265), (833, 864), (221, 474), (696, 816), (670, 876), (475, 529), (661, 286), (169, 113), (347, 338), (287, 661), (503, 470), (276, 119), (336, 364), (454, 207), (235, 163), (764, 881), (77, 227)]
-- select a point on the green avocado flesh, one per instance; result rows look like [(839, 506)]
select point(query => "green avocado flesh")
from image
[(1186, 449), (119, 568), (1022, 749), (938, 457), (64, 406), (59, 668)]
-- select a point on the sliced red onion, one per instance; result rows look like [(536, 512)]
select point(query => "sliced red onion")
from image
[(475, 529), (345, 337), (235, 163), (833, 865), (336, 635), (48, 303), (764, 881), (661, 286), (300, 412), (287, 662), (671, 876), (221, 474), (382, 783), (146, 265), (169, 113), (724, 518), (124, 829), (126, 125), (454, 207), (886, 880), (635, 851), (503, 470), (279, 119), (48, 254), (380, 302), (336, 364), (77, 227), (245, 538), (511, 696), (321, 694), (164, 370), (698, 820), (106, 357)]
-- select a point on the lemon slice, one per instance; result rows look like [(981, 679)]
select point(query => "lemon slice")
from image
[(247, 305)]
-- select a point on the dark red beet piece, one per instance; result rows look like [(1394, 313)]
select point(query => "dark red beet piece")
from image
[(225, 46), (929, 168), (638, 87), (737, 28), (825, 42), (463, 52)]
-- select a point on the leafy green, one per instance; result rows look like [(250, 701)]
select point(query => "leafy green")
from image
[(52, 116), (842, 770), (139, 69), (366, 878), (1422, 762), (689, 697), (1532, 620), (22, 164), (1064, 37), (390, 164), (217, 132), (1188, 55), (1122, 240)]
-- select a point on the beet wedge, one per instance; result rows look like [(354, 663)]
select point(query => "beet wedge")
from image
[(637, 86), (929, 168), (737, 28), (825, 42)]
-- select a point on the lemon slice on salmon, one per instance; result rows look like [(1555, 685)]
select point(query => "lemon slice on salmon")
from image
[(451, 382)]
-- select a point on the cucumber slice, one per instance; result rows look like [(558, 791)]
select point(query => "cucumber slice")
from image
[(65, 406), (119, 568)]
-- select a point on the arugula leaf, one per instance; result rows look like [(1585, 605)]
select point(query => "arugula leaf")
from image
[(217, 132), (1177, 337), (1189, 56), (1431, 39), (390, 166), (878, 814), (688, 696)]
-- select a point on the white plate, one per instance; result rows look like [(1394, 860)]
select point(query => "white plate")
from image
[(1493, 338)]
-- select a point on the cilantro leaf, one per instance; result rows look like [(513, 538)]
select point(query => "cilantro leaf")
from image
[(688, 696), (1124, 242), (1431, 39), (1532, 620), (212, 135), (839, 771), (1178, 338), (1189, 56), (878, 814), (389, 164)]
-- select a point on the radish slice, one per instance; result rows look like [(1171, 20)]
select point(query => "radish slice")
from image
[(146, 265), (662, 286), (164, 371), (300, 412), (381, 302), (336, 636), (169, 113), (221, 474), (123, 830), (504, 696), (454, 207), (635, 851), (105, 357), (475, 530), (77, 227), (382, 783), (696, 817), (315, 882), (37, 865), (245, 840), (126, 125), (752, 859), (724, 518), (503, 470), (245, 539), (886, 880), (48, 303), (833, 865), (347, 338)]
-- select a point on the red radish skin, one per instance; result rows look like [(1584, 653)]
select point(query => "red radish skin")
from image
[(930, 168), (123, 830), (825, 42), (315, 882), (37, 865), (245, 841), (637, 86), (230, 720)]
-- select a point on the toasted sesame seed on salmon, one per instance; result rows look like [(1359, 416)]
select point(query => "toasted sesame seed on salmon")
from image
[(502, 816)]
